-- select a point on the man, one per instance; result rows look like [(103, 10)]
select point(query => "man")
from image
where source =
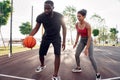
[(52, 22)]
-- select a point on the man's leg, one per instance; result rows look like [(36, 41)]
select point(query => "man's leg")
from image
[(42, 52), (41, 58), (57, 51), (56, 65)]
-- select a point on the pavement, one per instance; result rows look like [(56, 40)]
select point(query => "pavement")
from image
[(21, 66)]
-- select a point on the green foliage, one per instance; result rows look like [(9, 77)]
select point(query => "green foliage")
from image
[(113, 30), (113, 34), (5, 10), (25, 28), (95, 32), (70, 16)]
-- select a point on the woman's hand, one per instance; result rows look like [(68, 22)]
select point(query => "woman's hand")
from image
[(75, 45), (86, 52)]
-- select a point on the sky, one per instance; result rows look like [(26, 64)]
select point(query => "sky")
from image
[(107, 9)]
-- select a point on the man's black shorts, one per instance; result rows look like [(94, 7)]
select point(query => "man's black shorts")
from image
[(45, 43)]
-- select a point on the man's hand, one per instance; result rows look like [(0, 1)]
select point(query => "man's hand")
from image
[(63, 46)]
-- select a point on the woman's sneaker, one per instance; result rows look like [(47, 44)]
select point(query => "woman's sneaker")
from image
[(76, 70), (56, 78), (40, 68), (98, 76)]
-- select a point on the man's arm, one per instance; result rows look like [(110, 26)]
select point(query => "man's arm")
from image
[(35, 30), (64, 34)]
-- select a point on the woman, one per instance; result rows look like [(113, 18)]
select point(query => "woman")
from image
[(84, 30)]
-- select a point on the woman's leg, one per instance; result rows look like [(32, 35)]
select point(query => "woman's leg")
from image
[(91, 57), (79, 49)]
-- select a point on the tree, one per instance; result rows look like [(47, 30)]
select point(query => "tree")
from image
[(113, 34), (95, 32), (5, 9), (70, 17), (99, 23), (103, 36), (96, 21), (25, 28)]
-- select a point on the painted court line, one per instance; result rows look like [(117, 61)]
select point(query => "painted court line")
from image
[(22, 78), (115, 78)]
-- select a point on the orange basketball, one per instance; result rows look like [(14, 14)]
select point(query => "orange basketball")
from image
[(29, 42)]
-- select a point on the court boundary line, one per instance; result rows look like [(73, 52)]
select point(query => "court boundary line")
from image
[(10, 76), (23, 78), (111, 78)]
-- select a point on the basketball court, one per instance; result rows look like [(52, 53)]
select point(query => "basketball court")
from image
[(21, 66)]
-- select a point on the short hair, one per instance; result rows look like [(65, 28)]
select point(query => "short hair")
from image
[(49, 2), (83, 12)]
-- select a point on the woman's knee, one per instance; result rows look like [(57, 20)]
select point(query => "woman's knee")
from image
[(77, 55)]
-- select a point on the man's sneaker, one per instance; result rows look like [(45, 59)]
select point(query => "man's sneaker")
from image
[(40, 68), (56, 78), (76, 70), (98, 76)]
